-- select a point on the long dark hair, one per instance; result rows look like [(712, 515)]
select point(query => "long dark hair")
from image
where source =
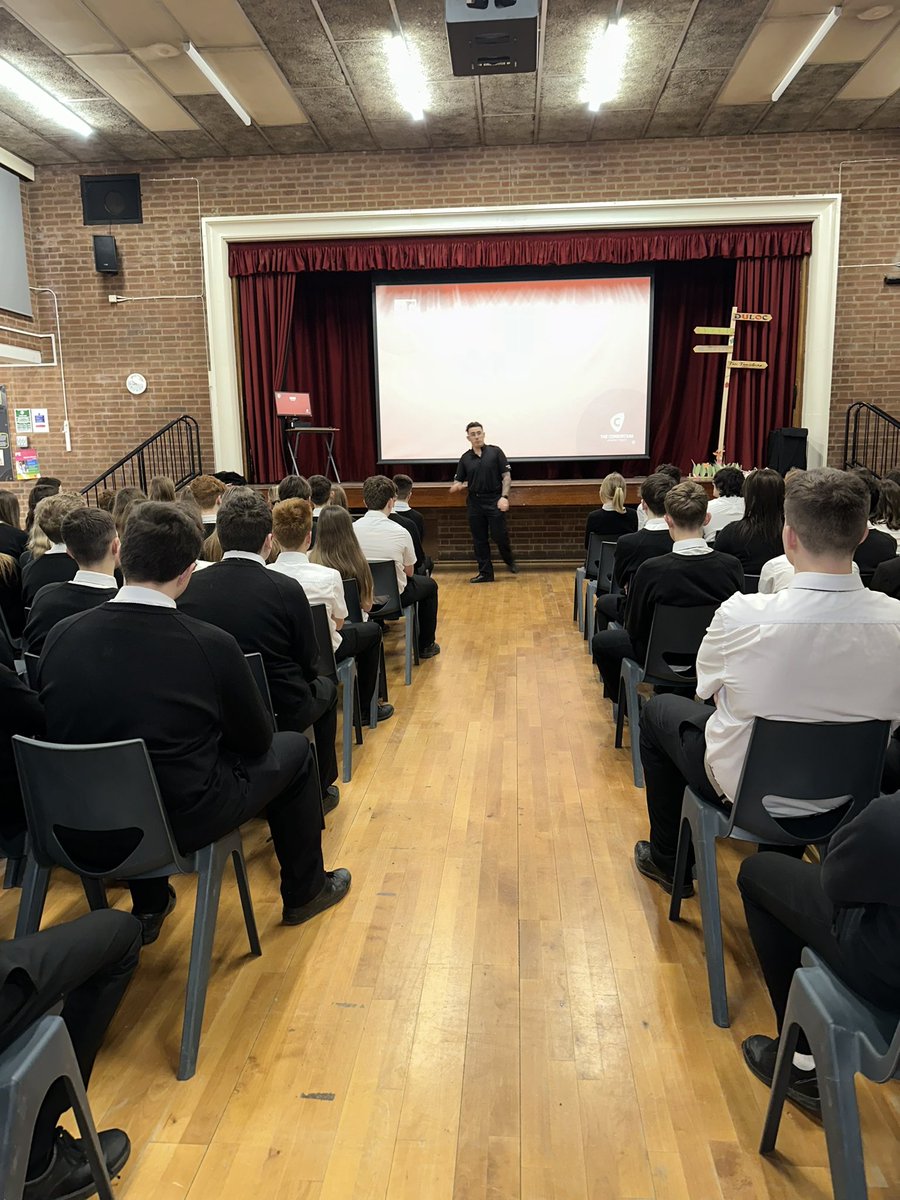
[(763, 505), (9, 509)]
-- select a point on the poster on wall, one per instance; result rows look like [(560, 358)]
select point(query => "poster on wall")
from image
[(40, 420), (23, 420), (6, 461), (27, 465)]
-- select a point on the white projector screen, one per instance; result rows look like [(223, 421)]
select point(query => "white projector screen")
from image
[(553, 368)]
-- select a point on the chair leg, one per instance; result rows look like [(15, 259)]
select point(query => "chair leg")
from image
[(243, 883), (711, 916), (681, 862), (589, 603), (95, 892), (578, 599), (88, 1131), (410, 640), (34, 894), (629, 681), (206, 910), (357, 709), (347, 732), (780, 1080), (15, 873), (840, 1116)]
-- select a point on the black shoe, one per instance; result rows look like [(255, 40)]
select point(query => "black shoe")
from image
[(643, 860), (760, 1053), (68, 1177), (431, 651), (335, 888), (152, 923), (385, 712), (331, 799), (482, 579), (513, 568)]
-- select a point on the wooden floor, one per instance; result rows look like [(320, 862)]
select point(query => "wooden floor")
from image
[(500, 1008)]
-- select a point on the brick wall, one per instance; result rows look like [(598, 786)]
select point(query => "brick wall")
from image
[(165, 339)]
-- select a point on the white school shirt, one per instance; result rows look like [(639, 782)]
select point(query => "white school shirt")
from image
[(722, 511), (383, 540), (691, 547), (322, 585), (94, 579), (135, 594), (820, 650), (777, 574)]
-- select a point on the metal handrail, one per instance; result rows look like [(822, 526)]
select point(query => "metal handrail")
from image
[(871, 438), (173, 450)]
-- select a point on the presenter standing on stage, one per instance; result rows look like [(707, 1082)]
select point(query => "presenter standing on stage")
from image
[(486, 472)]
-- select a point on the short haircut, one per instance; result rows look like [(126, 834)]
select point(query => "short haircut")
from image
[(377, 491), (870, 479), (88, 534), (106, 499), (654, 490), (828, 510), (292, 523), (729, 481), (792, 471), (319, 490), (207, 489), (686, 504), (52, 510), (404, 485), (669, 469), (160, 543), (161, 487), (474, 425), (244, 521), (294, 487)]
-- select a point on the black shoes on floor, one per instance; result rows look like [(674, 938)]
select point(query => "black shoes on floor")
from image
[(431, 651), (331, 799), (152, 923), (479, 578), (760, 1053), (385, 712), (335, 888), (644, 862), (68, 1176)]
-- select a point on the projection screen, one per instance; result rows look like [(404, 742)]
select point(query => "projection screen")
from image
[(554, 368)]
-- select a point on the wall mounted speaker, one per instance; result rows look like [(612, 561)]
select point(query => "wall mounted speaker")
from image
[(495, 38), (106, 259), (111, 199)]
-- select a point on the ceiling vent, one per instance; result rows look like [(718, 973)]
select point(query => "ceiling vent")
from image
[(492, 37)]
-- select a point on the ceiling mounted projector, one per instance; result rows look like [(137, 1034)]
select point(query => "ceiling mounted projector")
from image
[(492, 37)]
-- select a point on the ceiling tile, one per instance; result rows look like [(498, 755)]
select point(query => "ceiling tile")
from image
[(213, 22), (672, 12), (138, 23), (217, 118), (140, 147), (426, 29), (513, 129), (259, 87), (800, 8), (880, 76), (565, 127), (846, 114), (138, 92), (569, 36), (192, 143), (293, 139), (507, 94), (40, 63), (619, 123), (400, 135), (888, 116), (649, 55), (337, 117), (675, 123), (690, 91), (561, 93), (451, 98), (67, 26), (368, 66), (718, 32), (176, 73), (29, 145), (297, 42), (732, 119), (453, 131), (766, 60), (352, 20), (810, 92), (852, 40)]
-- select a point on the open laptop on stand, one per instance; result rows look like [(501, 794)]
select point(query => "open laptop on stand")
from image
[(295, 414)]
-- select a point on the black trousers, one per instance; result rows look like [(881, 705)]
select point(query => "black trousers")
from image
[(890, 780), (609, 648), (362, 640), (487, 521), (281, 785), (787, 909), (422, 591), (86, 964), (608, 608), (320, 711)]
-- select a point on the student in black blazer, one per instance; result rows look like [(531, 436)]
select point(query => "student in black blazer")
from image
[(20, 712), (54, 565), (632, 549), (887, 576), (185, 688), (268, 613), (693, 574), (613, 518)]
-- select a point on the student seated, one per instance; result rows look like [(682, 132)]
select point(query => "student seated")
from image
[(612, 518), (292, 528), (13, 537), (763, 657), (693, 574), (293, 487), (208, 492), (674, 474), (20, 712), (319, 493), (879, 546), (185, 688), (886, 518), (382, 539), (756, 537), (727, 504), (10, 604), (404, 486), (887, 578), (46, 486), (52, 565), (91, 540), (632, 549), (268, 613)]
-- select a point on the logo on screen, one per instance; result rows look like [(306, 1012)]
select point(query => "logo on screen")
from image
[(617, 420)]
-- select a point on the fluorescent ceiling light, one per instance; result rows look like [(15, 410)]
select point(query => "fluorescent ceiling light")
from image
[(606, 65), (200, 62), (806, 52), (26, 89), (408, 75)]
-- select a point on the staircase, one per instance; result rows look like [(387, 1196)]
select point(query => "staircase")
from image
[(173, 450), (871, 438)]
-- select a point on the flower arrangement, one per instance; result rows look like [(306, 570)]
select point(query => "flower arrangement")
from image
[(707, 470)]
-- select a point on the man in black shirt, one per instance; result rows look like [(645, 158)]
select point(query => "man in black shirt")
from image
[(486, 472), (90, 538)]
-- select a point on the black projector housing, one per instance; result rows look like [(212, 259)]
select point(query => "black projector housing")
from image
[(499, 38)]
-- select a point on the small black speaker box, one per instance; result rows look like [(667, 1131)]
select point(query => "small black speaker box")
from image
[(497, 37), (106, 260), (787, 448), (111, 199)]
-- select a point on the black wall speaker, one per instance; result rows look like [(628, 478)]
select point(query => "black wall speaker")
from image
[(492, 37), (111, 199), (787, 448), (106, 260)]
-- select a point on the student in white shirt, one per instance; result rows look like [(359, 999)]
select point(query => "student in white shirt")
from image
[(383, 540), (292, 527), (763, 657), (727, 504)]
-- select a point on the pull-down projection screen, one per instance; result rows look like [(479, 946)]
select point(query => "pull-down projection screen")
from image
[(553, 368)]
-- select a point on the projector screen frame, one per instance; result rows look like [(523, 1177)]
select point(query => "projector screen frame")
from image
[(513, 275)]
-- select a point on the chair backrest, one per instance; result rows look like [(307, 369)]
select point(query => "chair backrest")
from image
[(31, 666), (837, 765), (325, 664), (258, 671), (751, 584), (675, 637), (351, 599), (94, 809), (387, 593), (598, 562)]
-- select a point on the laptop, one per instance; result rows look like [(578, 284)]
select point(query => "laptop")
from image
[(293, 405)]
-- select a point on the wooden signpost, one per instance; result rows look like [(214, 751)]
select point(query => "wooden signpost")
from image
[(731, 363)]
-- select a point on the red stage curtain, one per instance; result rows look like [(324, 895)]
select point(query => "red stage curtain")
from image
[(520, 249), (266, 307), (763, 400)]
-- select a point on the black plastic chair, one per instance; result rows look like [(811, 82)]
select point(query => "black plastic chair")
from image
[(344, 673), (110, 789), (600, 560), (751, 584), (387, 597), (846, 1036), (675, 637), (31, 665), (833, 765), (355, 614)]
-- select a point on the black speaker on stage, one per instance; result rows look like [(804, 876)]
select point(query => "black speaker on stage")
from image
[(106, 259), (787, 448), (111, 199), (492, 37)]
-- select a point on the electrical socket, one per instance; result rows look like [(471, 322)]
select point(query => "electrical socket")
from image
[(113, 299)]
